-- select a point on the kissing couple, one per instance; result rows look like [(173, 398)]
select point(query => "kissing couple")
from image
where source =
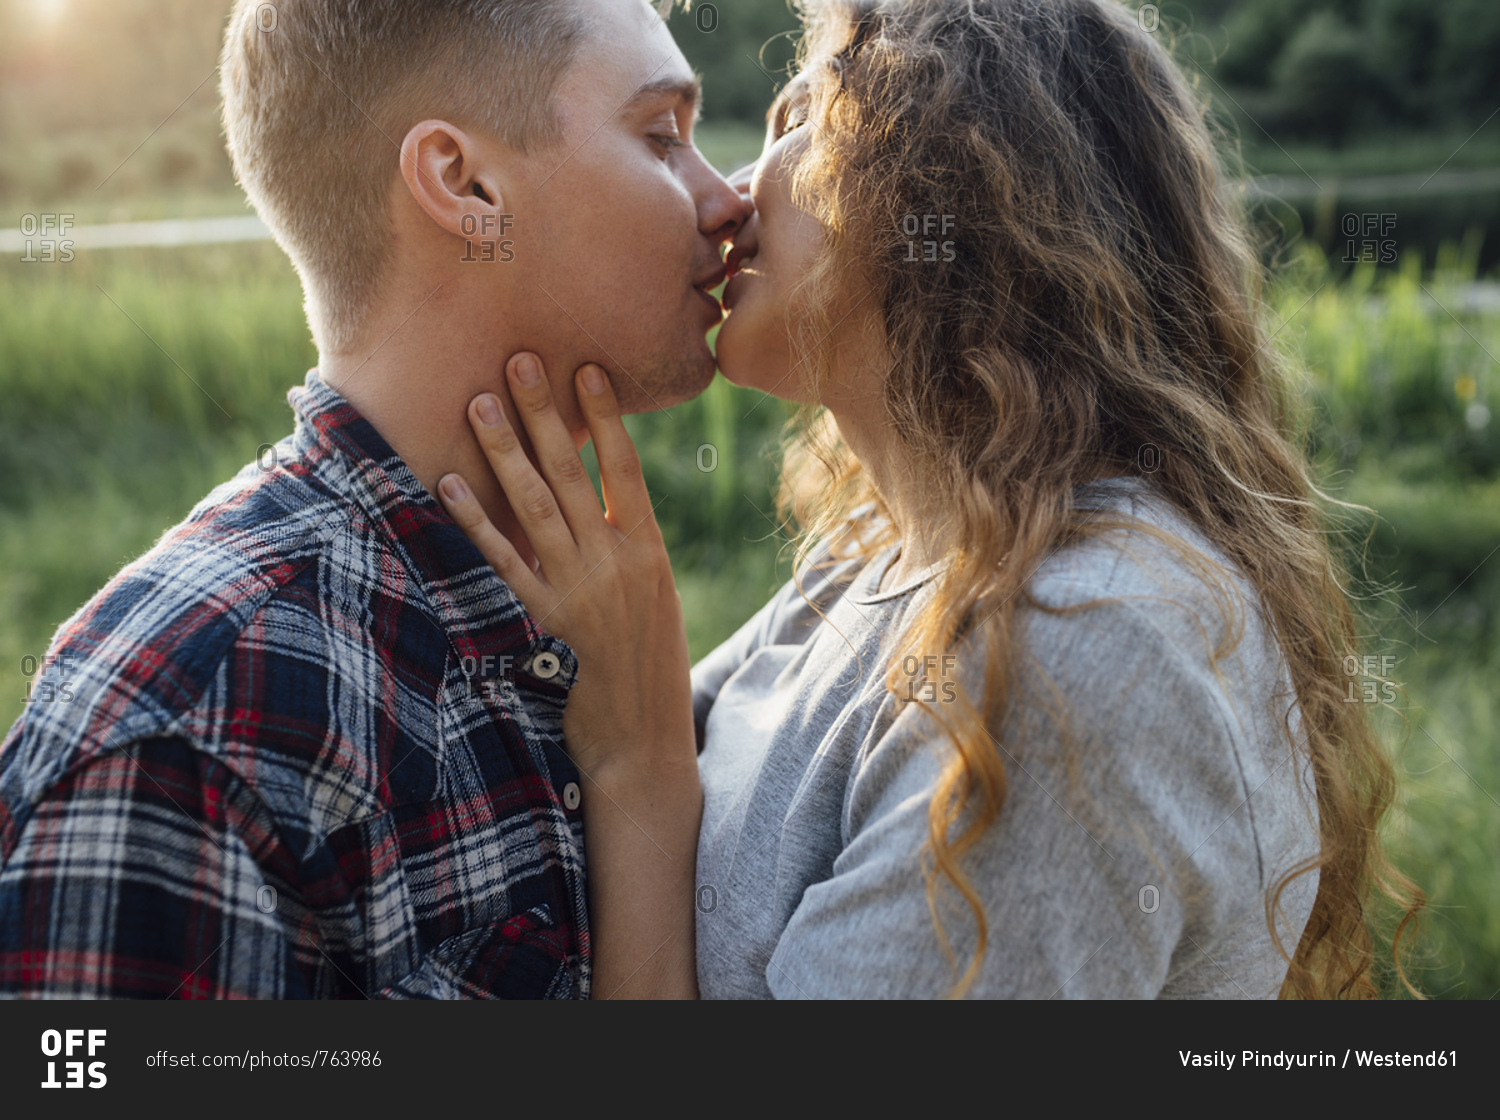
[(1052, 705)]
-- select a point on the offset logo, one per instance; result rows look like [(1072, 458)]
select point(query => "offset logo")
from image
[(67, 1044)]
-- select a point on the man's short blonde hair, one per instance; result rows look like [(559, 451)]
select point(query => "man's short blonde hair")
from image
[(318, 95)]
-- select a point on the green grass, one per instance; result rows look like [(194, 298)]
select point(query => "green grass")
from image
[(135, 381), (1448, 831), (1392, 153), (1430, 582), (1397, 367)]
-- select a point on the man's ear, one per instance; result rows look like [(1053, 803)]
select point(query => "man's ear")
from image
[(443, 169)]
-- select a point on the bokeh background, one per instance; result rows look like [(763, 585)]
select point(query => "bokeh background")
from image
[(1363, 133)]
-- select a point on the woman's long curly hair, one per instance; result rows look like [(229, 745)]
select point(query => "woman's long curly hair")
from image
[(1090, 303)]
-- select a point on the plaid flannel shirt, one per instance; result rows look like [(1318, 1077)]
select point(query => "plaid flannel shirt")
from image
[(309, 745)]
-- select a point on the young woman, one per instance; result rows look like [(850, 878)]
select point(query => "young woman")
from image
[(1055, 705)]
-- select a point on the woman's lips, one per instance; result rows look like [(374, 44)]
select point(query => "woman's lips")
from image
[(729, 296), (743, 248), (736, 272)]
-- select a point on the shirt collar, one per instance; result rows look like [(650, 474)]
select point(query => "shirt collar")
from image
[(488, 627)]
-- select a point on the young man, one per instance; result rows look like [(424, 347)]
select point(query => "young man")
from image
[(313, 746)]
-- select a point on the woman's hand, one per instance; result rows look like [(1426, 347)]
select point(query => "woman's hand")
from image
[(603, 584)]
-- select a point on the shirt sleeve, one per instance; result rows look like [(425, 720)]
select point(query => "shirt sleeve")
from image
[(1124, 841), (142, 874)]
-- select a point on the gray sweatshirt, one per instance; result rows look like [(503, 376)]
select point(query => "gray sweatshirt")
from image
[(1154, 799)]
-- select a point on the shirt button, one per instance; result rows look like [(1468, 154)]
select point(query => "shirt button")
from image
[(571, 795), (545, 666)]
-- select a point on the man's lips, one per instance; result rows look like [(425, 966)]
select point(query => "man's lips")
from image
[(706, 285), (712, 279), (710, 302)]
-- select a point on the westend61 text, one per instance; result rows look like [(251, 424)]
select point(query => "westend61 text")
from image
[(1255, 1059)]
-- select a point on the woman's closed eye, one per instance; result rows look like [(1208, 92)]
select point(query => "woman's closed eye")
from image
[(787, 115), (789, 118)]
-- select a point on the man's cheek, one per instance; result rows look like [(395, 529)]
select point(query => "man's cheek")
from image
[(660, 222)]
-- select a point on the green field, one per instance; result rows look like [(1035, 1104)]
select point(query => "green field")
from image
[(134, 381)]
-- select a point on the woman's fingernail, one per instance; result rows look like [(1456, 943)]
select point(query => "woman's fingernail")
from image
[(593, 380), (453, 488), (528, 372), (489, 411)]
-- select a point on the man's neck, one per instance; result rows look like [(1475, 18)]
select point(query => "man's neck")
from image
[(415, 388)]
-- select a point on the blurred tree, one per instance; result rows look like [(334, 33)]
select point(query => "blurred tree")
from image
[(742, 48), (98, 76), (1256, 31), (100, 63), (1324, 78), (1404, 36), (1466, 61), (1339, 66)]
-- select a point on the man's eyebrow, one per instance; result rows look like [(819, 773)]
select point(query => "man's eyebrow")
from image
[(687, 90)]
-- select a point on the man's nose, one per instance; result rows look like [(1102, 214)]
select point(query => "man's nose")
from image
[(724, 207)]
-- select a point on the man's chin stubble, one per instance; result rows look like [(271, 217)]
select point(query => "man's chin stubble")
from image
[(651, 390)]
